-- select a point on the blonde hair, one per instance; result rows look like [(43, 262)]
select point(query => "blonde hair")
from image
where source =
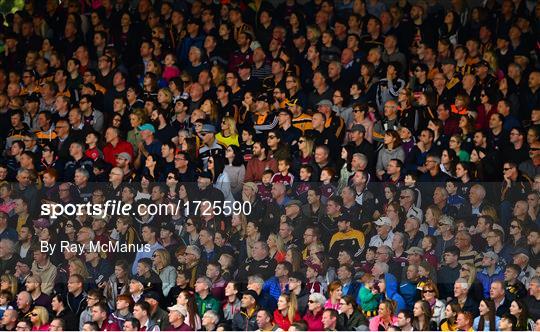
[(164, 255), (472, 275), (220, 75), (292, 307), (213, 116), (489, 210), (42, 315), (140, 114), (79, 264), (168, 94), (278, 240), (12, 281), (232, 125)]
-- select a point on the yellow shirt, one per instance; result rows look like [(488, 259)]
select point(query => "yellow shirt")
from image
[(229, 140)]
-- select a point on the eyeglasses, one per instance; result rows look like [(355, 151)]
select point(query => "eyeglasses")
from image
[(210, 161), (465, 269), (428, 291), (507, 169), (357, 110), (171, 177), (272, 136), (34, 314), (301, 141), (514, 226)]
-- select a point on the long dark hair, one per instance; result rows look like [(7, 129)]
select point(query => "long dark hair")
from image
[(238, 159), (523, 317), (491, 315), (426, 309), (219, 166)]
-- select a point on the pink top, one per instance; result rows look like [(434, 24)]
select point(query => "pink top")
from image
[(330, 305), (375, 321), (170, 73)]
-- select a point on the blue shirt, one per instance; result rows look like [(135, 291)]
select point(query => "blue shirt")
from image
[(486, 324)]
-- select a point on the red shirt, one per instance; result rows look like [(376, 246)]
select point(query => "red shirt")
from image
[(110, 325), (110, 152), (283, 321)]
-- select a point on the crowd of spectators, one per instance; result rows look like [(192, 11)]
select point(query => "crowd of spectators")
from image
[(336, 165)]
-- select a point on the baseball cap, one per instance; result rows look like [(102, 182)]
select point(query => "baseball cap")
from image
[(292, 102), (482, 63), (208, 128), (264, 97), (178, 308), (152, 295), (294, 202), (205, 174), (252, 293), (446, 220), (42, 223), (298, 276), (521, 250), (383, 221), (415, 251), (147, 126), (448, 62), (33, 97), (244, 65), (124, 155), (325, 102)]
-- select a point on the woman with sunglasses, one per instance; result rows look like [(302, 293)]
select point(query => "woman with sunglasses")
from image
[(468, 272), (190, 233), (161, 261), (228, 135), (517, 238), (485, 110), (39, 318), (313, 316), (361, 116), (430, 295)]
